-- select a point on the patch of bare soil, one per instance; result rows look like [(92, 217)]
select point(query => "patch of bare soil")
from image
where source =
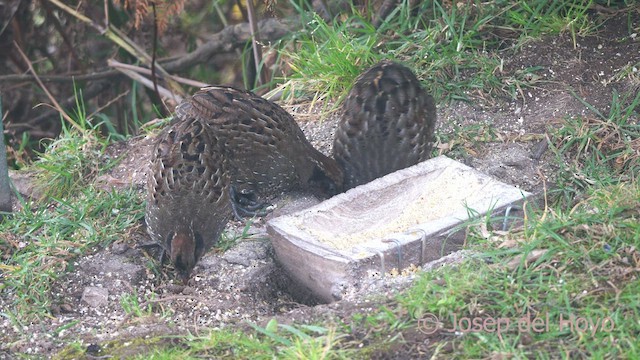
[(245, 283)]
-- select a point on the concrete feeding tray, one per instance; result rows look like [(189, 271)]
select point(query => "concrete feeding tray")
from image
[(411, 216)]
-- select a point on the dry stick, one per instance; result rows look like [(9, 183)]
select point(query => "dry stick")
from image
[(154, 78), (226, 40), (109, 32), (121, 39), (144, 71), (89, 93), (106, 12), (142, 55), (163, 92), (5, 188), (13, 78), (46, 91), (124, 93), (231, 38), (255, 38)]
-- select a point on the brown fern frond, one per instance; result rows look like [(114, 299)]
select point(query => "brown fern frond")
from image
[(141, 10), (166, 9)]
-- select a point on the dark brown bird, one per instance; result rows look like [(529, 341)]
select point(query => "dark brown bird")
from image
[(266, 150), (387, 125), (188, 192)]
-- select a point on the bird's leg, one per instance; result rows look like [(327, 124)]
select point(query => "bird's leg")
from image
[(163, 253), (245, 203), (149, 245)]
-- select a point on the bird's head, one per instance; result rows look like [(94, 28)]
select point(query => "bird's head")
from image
[(185, 249), (327, 178)]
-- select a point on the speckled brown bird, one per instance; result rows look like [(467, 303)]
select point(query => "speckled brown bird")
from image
[(266, 150), (188, 192), (387, 125)]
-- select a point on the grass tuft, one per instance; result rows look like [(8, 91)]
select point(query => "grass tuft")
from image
[(445, 45), (41, 243), (602, 149), (326, 58)]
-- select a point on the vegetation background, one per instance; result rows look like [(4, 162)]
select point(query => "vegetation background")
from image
[(79, 78)]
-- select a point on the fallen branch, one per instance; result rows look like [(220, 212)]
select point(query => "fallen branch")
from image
[(227, 40), (231, 38), (14, 78)]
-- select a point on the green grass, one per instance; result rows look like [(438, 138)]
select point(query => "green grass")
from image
[(274, 341), (576, 256), (75, 158), (584, 270), (228, 240), (40, 242), (601, 148), (326, 58), (462, 140), (447, 47), (135, 305), (536, 18)]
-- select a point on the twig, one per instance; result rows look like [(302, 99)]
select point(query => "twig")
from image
[(121, 39), (89, 93), (46, 91), (255, 38), (164, 110), (59, 78), (144, 71), (5, 188), (78, 16), (163, 92), (233, 37), (108, 104), (139, 53), (226, 40)]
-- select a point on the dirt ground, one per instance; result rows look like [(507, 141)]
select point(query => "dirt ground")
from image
[(245, 283)]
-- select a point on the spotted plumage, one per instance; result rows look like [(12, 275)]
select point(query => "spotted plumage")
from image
[(188, 192), (387, 125), (266, 150)]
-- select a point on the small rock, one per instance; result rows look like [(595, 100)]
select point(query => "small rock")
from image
[(66, 308), (238, 258), (188, 290), (95, 296), (517, 157), (119, 248), (93, 349), (175, 289), (246, 253)]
